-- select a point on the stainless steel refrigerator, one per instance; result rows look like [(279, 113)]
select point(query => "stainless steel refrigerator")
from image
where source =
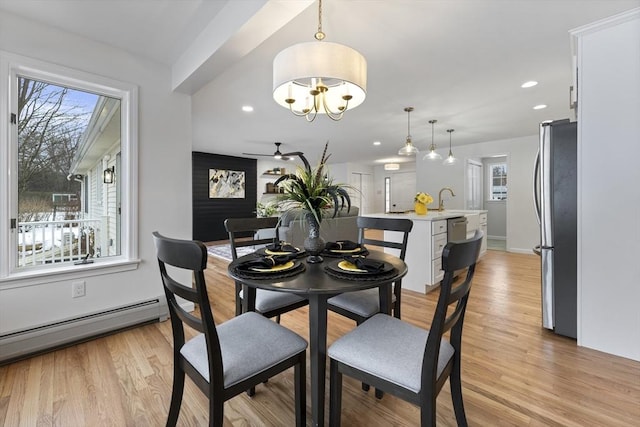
[(555, 199)]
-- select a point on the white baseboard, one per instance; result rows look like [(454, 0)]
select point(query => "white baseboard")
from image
[(22, 343), (528, 251)]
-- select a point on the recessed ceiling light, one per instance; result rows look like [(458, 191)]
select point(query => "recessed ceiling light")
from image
[(530, 83), (247, 108), (377, 143), (539, 107)]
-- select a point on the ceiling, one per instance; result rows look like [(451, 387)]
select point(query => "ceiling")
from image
[(458, 61)]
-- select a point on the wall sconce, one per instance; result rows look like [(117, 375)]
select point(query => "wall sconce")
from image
[(109, 175)]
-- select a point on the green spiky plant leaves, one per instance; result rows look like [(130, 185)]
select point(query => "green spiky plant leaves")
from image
[(312, 190)]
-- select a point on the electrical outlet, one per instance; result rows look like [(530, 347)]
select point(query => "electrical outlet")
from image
[(78, 289)]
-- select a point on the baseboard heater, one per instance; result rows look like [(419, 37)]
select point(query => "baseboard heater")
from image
[(23, 343)]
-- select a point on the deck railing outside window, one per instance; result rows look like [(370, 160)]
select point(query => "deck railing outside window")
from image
[(46, 242)]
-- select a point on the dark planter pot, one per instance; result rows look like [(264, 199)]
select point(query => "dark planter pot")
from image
[(313, 244)]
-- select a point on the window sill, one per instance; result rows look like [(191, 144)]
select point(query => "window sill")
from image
[(64, 273)]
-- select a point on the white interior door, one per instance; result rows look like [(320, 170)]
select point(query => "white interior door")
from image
[(362, 193), (473, 191)]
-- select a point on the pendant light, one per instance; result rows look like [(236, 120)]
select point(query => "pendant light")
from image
[(319, 77), (450, 160), (432, 154), (409, 149)]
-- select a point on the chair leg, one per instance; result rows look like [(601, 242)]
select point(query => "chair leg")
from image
[(278, 319), (251, 392), (335, 394), (428, 412), (456, 394), (365, 387), (238, 299), (396, 309), (379, 394), (176, 396), (216, 411), (301, 391)]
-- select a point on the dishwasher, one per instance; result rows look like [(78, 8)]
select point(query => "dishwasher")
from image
[(456, 228)]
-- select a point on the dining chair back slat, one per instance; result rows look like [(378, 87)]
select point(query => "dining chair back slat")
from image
[(268, 303), (361, 305)]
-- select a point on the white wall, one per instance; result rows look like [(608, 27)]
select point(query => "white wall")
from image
[(342, 174), (164, 190), (608, 179), (523, 232), (379, 175)]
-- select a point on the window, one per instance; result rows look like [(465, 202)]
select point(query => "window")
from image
[(63, 130), (387, 194), (498, 181)]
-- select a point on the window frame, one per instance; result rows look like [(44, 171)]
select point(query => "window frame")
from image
[(490, 167), (12, 65)]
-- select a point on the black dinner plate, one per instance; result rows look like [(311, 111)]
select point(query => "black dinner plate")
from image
[(275, 270), (333, 266), (264, 251)]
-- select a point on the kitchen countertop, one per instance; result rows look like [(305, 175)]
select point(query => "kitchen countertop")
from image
[(432, 215)]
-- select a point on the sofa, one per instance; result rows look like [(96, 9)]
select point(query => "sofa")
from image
[(294, 229)]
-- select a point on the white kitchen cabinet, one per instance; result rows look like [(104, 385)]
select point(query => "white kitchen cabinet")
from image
[(438, 242), (483, 228), (478, 221), (424, 248), (608, 62)]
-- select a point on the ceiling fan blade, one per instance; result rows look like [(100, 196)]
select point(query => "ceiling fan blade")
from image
[(255, 154), (299, 154)]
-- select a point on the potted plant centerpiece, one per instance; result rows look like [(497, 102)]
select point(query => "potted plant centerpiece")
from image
[(313, 194)]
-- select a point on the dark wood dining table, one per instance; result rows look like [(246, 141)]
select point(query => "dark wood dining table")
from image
[(318, 286)]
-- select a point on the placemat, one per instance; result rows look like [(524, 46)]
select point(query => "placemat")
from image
[(297, 269), (327, 253)]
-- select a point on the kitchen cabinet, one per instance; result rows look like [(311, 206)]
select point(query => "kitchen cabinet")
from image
[(438, 242), (608, 61), (426, 243), (424, 248), (483, 228), (477, 220)]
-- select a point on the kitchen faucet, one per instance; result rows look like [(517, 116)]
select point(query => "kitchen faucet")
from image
[(440, 201)]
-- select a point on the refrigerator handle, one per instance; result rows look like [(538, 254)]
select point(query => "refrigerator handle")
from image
[(536, 186)]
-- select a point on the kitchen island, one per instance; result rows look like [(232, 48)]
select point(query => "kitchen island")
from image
[(426, 242)]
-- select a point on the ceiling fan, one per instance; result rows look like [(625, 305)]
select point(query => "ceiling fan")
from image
[(277, 154)]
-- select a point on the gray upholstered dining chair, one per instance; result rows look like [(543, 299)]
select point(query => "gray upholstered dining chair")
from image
[(361, 305), (226, 359), (407, 361), (268, 303)]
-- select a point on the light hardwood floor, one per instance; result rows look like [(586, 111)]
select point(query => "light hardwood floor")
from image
[(514, 372)]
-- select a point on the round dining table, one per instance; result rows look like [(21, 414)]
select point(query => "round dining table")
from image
[(315, 284)]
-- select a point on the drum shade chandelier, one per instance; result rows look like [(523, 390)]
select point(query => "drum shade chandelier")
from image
[(319, 77), (409, 149), (432, 154)]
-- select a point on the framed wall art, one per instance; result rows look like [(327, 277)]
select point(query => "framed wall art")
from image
[(226, 184)]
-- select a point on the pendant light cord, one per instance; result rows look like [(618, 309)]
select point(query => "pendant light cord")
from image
[(319, 35)]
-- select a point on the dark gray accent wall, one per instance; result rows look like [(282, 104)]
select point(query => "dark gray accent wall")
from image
[(209, 214)]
